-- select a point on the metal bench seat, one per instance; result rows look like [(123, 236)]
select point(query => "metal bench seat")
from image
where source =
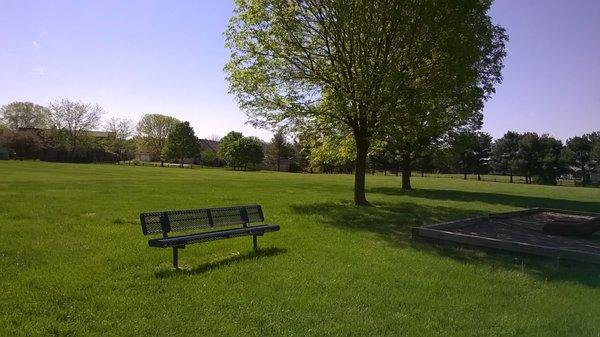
[(235, 222), (179, 241)]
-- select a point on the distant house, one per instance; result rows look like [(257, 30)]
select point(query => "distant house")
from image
[(100, 134), (212, 146), (208, 144), (143, 156)]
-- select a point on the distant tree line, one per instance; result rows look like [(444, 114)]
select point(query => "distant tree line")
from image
[(66, 131), (538, 158)]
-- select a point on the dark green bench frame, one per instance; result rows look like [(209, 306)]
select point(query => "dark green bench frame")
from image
[(237, 219)]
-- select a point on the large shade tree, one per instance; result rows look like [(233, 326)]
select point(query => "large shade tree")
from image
[(471, 151), (239, 151), (119, 140), (181, 143), (18, 115), (579, 150), (504, 154), (356, 63), (74, 120), (153, 130)]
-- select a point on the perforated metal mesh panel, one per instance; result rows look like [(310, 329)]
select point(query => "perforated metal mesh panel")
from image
[(182, 220)]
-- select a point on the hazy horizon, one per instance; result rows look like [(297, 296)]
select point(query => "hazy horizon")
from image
[(140, 57)]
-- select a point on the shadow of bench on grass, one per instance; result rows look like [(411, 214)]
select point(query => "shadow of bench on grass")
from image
[(208, 266)]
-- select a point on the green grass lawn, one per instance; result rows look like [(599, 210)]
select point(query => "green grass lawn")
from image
[(73, 260)]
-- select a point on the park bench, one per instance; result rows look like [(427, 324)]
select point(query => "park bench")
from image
[(232, 222)]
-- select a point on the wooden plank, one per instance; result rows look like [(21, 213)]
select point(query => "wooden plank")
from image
[(442, 232)]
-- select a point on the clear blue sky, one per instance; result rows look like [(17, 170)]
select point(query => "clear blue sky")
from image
[(136, 57)]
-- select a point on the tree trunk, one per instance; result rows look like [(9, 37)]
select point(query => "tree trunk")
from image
[(478, 176), (511, 176), (362, 146), (422, 173), (465, 174), (278, 163), (583, 174), (406, 172)]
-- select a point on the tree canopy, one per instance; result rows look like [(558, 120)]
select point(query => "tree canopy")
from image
[(24, 115), (153, 130), (363, 65), (278, 149), (239, 151), (181, 143), (74, 120)]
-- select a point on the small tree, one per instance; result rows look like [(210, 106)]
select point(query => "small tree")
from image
[(74, 120), (239, 151), (579, 153), (278, 149), (471, 152), (251, 151), (153, 130), (595, 156), (209, 157), (226, 144), (181, 143), (18, 115), (504, 154), (121, 130), (542, 157)]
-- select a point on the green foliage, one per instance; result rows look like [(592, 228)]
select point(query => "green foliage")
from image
[(239, 151), (541, 157), (25, 115), (279, 148), (72, 122), (595, 156), (471, 151), (382, 154), (119, 141), (371, 67), (505, 152), (181, 143), (330, 153), (153, 130), (226, 144), (209, 157), (579, 154), (23, 144)]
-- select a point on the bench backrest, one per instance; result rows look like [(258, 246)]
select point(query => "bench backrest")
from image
[(183, 220)]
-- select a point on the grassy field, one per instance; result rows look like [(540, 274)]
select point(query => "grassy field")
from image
[(73, 260)]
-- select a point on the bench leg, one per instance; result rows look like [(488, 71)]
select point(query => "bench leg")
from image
[(255, 243), (175, 258)]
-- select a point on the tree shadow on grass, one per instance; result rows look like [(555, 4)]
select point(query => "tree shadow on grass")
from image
[(208, 266), (492, 198), (393, 223)]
